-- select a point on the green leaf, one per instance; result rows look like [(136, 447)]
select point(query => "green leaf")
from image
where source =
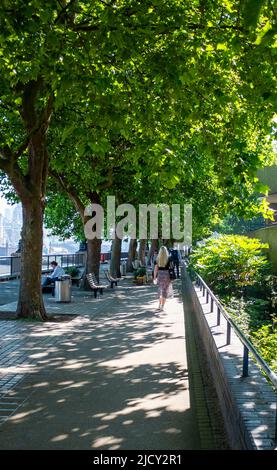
[(251, 12)]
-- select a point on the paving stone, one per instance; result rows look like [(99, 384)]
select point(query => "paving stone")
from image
[(130, 340)]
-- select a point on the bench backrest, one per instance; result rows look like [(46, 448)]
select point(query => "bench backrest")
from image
[(107, 274), (92, 280)]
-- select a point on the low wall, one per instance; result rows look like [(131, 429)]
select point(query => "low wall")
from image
[(247, 404), (268, 235)]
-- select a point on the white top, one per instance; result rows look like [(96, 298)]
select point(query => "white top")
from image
[(58, 271)]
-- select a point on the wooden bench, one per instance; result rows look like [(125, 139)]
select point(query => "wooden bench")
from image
[(112, 280), (94, 284), (49, 289)]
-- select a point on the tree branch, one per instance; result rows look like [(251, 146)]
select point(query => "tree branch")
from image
[(80, 207), (108, 183), (9, 166), (86, 26), (63, 14), (106, 3), (22, 147), (46, 115), (29, 112)]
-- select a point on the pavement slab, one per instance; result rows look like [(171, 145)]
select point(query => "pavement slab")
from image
[(114, 377)]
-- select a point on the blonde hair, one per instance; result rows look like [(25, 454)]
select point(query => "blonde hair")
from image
[(163, 257)]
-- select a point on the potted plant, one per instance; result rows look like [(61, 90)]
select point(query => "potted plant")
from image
[(140, 275)]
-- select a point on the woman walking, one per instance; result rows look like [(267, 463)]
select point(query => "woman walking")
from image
[(161, 275)]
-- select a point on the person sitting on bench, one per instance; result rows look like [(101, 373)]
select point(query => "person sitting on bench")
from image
[(57, 272)]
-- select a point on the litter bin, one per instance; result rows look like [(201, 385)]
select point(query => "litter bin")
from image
[(63, 289), (123, 268)]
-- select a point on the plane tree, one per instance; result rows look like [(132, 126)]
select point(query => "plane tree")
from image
[(209, 64)]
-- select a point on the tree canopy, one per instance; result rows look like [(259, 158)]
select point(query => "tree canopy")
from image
[(189, 86)]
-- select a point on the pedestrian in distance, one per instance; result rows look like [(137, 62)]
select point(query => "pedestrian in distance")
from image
[(162, 277)]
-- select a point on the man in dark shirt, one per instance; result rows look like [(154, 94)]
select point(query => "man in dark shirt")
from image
[(175, 258)]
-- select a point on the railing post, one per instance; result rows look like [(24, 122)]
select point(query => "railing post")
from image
[(203, 290), (11, 265), (207, 296), (218, 316), (245, 361), (48, 262), (228, 337), (212, 304)]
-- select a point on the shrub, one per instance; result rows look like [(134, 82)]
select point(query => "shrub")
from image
[(140, 272), (72, 271), (230, 263), (265, 340), (249, 314), (233, 265)]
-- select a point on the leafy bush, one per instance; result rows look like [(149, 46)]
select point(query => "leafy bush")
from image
[(73, 272), (230, 263), (236, 269), (140, 272), (249, 314), (265, 340)]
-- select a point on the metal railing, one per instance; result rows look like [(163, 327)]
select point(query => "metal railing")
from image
[(10, 265), (65, 261), (247, 345)]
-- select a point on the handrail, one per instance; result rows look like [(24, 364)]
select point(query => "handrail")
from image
[(247, 344)]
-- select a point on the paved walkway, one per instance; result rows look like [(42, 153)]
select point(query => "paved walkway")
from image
[(114, 377)]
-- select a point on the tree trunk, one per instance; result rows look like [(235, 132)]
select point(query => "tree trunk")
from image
[(154, 247), (141, 253), (116, 257), (30, 302), (131, 255), (93, 245), (30, 186), (167, 242), (93, 261)]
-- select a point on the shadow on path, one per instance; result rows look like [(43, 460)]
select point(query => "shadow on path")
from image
[(115, 380)]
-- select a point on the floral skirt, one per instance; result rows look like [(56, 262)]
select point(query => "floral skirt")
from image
[(164, 284)]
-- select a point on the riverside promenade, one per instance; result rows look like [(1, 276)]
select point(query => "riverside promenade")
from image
[(113, 373)]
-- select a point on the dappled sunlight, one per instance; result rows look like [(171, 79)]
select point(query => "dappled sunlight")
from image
[(107, 442), (62, 437), (19, 417), (41, 384), (113, 379), (38, 355)]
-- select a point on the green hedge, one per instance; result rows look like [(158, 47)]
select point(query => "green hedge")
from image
[(236, 269), (230, 263)]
